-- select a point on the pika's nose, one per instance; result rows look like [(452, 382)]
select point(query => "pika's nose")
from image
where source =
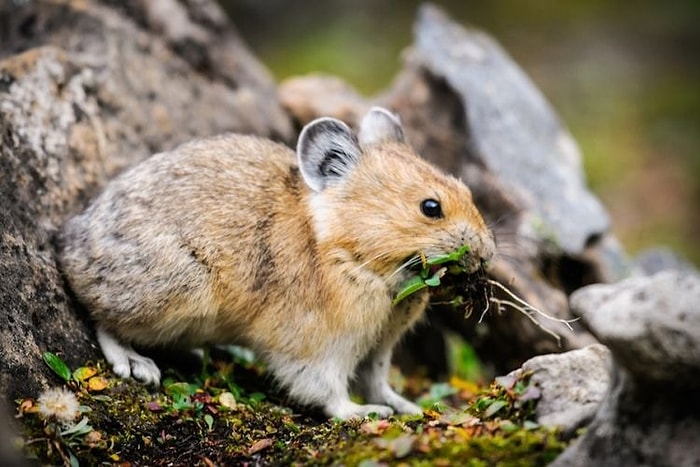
[(481, 251), (485, 248)]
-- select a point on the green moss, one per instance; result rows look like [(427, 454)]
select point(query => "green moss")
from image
[(190, 422)]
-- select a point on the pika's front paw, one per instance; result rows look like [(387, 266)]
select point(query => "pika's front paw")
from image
[(380, 392), (141, 368), (404, 406), (144, 369), (348, 410)]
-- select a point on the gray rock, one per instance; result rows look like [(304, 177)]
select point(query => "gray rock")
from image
[(651, 324), (572, 385), (513, 132), (659, 259), (86, 90), (651, 416)]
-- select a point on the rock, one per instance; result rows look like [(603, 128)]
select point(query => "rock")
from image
[(659, 259), (572, 385), (313, 96), (651, 416), (87, 89), (538, 160), (651, 324)]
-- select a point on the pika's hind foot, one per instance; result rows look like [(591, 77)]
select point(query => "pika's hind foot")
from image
[(125, 361)]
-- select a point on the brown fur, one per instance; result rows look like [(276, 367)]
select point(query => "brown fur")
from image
[(222, 241)]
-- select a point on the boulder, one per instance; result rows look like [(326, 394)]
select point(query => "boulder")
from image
[(572, 386), (86, 89), (650, 416)]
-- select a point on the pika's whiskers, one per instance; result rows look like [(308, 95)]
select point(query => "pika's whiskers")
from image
[(408, 264)]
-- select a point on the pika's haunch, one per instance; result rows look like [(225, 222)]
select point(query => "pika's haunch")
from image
[(233, 239)]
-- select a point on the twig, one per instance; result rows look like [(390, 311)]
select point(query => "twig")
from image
[(526, 306), (488, 305), (529, 316), (526, 309)]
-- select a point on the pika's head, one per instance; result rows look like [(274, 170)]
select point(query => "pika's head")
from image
[(374, 198)]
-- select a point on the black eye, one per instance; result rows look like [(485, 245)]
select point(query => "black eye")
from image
[(431, 208)]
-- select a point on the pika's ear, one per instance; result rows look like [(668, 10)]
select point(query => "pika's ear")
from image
[(380, 125), (327, 151)]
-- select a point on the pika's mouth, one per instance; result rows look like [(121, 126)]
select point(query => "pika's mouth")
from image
[(456, 272)]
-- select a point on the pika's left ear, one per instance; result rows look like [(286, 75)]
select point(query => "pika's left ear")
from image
[(327, 152), (378, 126)]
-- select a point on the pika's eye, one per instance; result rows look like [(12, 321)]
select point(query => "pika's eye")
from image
[(431, 208)]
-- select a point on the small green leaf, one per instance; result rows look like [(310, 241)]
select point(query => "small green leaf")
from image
[(57, 365), (409, 287), (494, 408), (254, 398), (74, 462), (508, 426), (102, 398), (424, 279), (440, 259), (81, 428), (530, 425), (482, 404), (448, 257), (293, 427), (209, 420), (179, 390), (432, 281)]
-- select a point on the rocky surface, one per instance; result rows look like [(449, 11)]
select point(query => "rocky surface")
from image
[(86, 89), (650, 417), (572, 385), (514, 133)]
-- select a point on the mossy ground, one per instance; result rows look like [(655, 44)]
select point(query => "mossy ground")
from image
[(193, 420)]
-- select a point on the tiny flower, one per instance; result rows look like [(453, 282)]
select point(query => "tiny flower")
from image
[(58, 404)]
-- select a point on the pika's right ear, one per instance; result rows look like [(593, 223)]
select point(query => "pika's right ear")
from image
[(327, 151)]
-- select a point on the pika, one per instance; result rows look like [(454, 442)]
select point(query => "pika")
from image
[(235, 239)]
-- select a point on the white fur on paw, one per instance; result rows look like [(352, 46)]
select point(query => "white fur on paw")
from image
[(144, 369), (382, 411), (122, 369), (349, 410), (406, 407), (398, 402)]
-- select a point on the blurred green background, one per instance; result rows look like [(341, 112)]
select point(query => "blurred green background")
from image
[(624, 77)]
